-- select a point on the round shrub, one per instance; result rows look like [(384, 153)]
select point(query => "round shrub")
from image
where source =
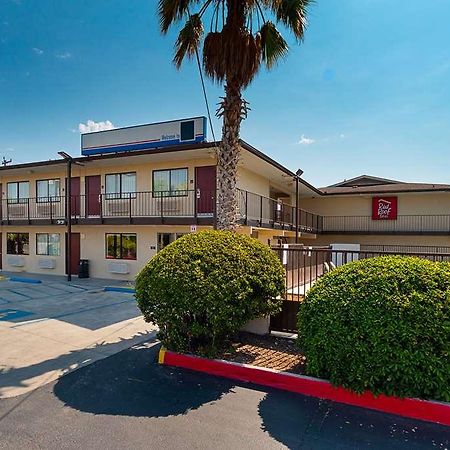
[(204, 287), (381, 324)]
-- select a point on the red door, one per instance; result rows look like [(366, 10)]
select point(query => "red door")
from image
[(75, 191), (93, 197), (75, 254), (205, 189)]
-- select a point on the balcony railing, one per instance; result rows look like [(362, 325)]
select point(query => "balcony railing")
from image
[(188, 206), (404, 224), (266, 212)]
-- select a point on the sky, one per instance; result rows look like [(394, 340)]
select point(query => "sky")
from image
[(367, 92)]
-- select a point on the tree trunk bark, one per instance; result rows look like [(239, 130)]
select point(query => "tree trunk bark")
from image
[(231, 109)]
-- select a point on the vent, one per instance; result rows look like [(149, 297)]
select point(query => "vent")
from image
[(118, 267)]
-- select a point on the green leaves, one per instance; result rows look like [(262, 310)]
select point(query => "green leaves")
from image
[(189, 39), (204, 287), (273, 45), (381, 324), (292, 13), (171, 11)]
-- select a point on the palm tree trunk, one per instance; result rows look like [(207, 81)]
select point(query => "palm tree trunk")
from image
[(232, 107)]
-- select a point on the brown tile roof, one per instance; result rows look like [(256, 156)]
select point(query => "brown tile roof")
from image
[(386, 188)]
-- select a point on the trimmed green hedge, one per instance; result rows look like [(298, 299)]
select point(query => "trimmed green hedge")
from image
[(381, 324), (204, 287)]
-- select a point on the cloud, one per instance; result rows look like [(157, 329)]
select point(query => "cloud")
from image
[(342, 135), (91, 126), (63, 55), (305, 140), (38, 51)]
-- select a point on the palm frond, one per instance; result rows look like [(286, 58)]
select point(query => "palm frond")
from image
[(292, 13), (188, 40), (273, 46), (170, 11)]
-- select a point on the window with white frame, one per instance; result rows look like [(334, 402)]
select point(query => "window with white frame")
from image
[(48, 244), (18, 192), (48, 190), (120, 185)]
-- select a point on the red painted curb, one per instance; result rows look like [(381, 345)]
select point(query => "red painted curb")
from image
[(426, 410)]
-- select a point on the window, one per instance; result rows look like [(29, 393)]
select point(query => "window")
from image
[(164, 239), (18, 243), (48, 190), (170, 183), (187, 131), (18, 192), (121, 246), (121, 185), (48, 244)]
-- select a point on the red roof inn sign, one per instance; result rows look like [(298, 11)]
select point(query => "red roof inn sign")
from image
[(384, 208)]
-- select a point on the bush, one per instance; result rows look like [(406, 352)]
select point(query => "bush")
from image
[(381, 324), (204, 287)]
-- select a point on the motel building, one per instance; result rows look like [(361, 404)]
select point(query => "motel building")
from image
[(135, 190)]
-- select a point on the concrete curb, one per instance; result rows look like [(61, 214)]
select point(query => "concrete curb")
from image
[(426, 410)]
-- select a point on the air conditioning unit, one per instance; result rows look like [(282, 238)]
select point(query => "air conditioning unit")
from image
[(117, 207), (121, 268), (15, 261), (18, 211), (43, 209), (46, 264), (172, 205)]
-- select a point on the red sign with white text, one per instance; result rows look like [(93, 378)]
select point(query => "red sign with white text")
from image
[(384, 208)]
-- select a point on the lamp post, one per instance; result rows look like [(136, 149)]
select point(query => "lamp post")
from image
[(69, 161), (298, 174)]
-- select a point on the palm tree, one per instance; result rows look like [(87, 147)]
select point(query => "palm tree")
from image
[(241, 37)]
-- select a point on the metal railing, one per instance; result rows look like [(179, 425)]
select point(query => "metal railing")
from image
[(304, 265), (257, 210), (403, 224), (253, 209)]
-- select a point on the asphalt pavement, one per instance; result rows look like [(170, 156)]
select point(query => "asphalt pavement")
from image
[(128, 401)]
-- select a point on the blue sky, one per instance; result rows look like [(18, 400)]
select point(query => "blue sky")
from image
[(367, 92)]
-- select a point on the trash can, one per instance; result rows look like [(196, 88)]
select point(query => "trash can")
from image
[(83, 268)]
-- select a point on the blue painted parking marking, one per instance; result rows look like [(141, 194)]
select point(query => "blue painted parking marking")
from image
[(125, 290), (12, 314)]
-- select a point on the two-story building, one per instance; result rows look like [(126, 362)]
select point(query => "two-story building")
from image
[(136, 189), (382, 214), (133, 191)]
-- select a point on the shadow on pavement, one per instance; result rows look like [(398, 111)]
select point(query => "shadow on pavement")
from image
[(304, 422), (67, 362), (131, 383)]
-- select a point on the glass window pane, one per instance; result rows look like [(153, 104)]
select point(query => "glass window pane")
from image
[(54, 246), (161, 181), (178, 180), (112, 184), (128, 183), (12, 191), (24, 189), (42, 189), (11, 243), (112, 247), (53, 188), (42, 244), (129, 244), (24, 244)]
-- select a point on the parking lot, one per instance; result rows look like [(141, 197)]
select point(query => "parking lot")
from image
[(50, 328)]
